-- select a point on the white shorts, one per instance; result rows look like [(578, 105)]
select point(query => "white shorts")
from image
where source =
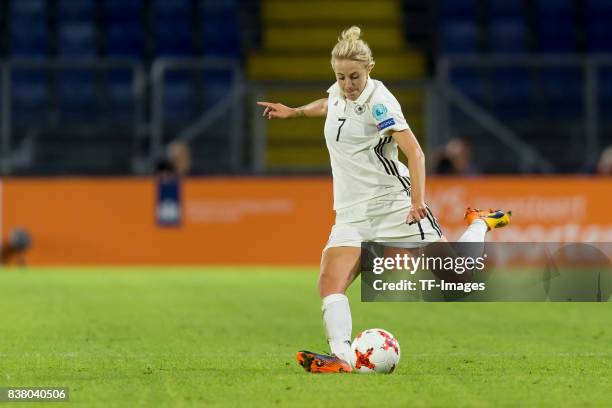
[(382, 219)]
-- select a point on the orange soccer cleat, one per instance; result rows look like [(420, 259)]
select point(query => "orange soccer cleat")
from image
[(322, 363), (493, 218)]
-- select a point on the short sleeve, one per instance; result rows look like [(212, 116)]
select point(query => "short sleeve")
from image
[(388, 116)]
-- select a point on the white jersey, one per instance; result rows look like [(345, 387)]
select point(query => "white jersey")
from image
[(362, 152)]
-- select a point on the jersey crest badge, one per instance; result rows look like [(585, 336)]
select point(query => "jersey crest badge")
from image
[(359, 109), (379, 111)]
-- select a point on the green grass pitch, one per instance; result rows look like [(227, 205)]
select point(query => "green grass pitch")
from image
[(227, 337)]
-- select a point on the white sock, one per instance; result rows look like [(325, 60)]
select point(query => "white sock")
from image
[(338, 325), (475, 234)]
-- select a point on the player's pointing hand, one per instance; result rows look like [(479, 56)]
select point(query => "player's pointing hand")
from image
[(276, 110)]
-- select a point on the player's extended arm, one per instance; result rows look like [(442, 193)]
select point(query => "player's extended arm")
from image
[(408, 143), (314, 109)]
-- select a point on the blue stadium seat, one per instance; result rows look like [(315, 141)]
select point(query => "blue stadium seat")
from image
[(220, 28), (215, 6), (598, 9), (217, 85), (29, 38), (555, 25), (77, 94), (562, 89), (28, 9), (28, 29), (76, 28), (173, 37), (179, 97), (513, 91), (504, 9), (472, 83), (556, 35), (605, 93), (452, 10), (218, 16), (508, 36), (119, 10), (77, 39), (75, 10), (120, 96), (598, 27), (554, 8), (221, 38), (171, 8), (173, 31), (30, 95), (125, 39), (458, 37), (599, 33)]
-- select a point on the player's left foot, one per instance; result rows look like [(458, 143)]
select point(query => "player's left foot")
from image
[(322, 363), (493, 218)]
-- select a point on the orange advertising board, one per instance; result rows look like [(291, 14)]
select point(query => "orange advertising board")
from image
[(545, 209), (268, 221)]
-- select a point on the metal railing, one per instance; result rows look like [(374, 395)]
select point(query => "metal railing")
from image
[(46, 66), (149, 117), (231, 102), (244, 127), (531, 160)]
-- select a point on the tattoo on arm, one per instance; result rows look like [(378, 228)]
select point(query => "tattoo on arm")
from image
[(299, 112)]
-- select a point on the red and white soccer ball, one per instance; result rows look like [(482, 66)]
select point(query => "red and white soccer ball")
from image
[(375, 351)]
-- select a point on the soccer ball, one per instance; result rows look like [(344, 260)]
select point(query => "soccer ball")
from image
[(375, 351)]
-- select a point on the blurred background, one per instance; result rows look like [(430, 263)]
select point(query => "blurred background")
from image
[(103, 86), (168, 87)]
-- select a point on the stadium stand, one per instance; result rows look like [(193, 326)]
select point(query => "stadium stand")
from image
[(267, 38), (70, 110), (122, 26), (598, 29), (555, 28), (28, 29), (539, 103)]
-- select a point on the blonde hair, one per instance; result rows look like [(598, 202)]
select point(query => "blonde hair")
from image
[(350, 46)]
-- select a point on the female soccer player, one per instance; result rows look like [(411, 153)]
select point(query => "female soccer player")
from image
[(376, 197)]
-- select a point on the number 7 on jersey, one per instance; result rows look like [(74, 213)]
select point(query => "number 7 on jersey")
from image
[(340, 128)]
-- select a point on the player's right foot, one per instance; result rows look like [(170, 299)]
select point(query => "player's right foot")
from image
[(322, 363), (493, 219)]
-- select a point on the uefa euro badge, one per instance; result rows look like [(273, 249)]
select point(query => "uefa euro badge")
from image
[(359, 109), (379, 111)]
